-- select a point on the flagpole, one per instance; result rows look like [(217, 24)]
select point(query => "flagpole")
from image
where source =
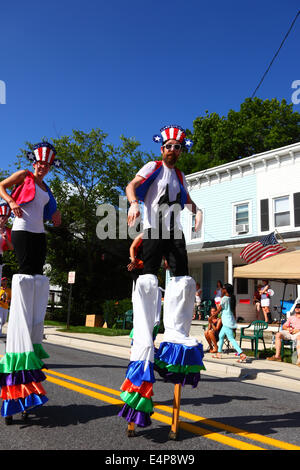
[(284, 244)]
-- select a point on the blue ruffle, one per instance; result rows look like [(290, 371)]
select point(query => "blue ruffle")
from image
[(172, 353), (137, 373), (12, 407)]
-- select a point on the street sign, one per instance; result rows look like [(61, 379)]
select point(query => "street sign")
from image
[(71, 277)]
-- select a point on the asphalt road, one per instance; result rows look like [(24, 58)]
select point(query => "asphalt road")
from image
[(83, 392)]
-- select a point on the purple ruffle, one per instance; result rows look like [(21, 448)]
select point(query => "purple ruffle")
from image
[(22, 377), (139, 418), (192, 378)]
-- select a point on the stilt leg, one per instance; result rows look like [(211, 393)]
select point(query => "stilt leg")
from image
[(130, 430), (176, 408)]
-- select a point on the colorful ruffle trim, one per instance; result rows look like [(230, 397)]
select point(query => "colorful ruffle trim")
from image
[(140, 371), (139, 418), (145, 390), (14, 392), (11, 407), (20, 377), (179, 364), (31, 360), (137, 402), (137, 390)]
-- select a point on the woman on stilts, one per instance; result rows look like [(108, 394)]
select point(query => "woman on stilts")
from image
[(31, 202)]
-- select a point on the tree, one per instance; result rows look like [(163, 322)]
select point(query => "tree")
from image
[(92, 173), (257, 127)]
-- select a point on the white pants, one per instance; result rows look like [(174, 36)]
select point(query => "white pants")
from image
[(178, 310), (27, 312), (145, 300), (178, 313)]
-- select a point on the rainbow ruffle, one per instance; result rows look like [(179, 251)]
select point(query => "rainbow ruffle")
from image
[(179, 364), (20, 380), (137, 392)]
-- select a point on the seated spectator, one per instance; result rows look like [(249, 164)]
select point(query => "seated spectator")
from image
[(212, 332), (290, 331)]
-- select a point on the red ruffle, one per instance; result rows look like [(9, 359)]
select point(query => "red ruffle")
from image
[(13, 392), (145, 390)]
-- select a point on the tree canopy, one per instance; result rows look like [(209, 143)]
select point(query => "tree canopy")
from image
[(258, 126)]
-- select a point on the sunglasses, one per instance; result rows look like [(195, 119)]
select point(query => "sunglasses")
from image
[(172, 146)]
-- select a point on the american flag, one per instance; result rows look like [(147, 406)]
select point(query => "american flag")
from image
[(262, 249)]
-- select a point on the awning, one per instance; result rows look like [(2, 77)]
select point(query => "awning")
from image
[(284, 267)]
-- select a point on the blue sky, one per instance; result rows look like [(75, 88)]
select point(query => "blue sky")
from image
[(131, 67)]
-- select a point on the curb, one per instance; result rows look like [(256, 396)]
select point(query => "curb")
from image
[(218, 368), (88, 345), (252, 376)]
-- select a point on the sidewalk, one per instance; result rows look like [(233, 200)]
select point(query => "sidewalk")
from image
[(279, 375)]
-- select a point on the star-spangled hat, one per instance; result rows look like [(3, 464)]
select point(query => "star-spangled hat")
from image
[(44, 152), (174, 132), (5, 209)]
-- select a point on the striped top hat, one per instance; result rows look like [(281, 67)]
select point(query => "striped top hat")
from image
[(173, 132), (44, 152), (5, 209)]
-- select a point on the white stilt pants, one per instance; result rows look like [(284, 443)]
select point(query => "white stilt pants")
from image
[(145, 300), (27, 312), (178, 310)]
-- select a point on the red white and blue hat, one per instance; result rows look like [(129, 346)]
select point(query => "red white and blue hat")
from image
[(173, 132), (5, 209), (44, 152)]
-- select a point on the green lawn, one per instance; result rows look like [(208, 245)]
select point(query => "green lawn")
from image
[(88, 329), (268, 353)]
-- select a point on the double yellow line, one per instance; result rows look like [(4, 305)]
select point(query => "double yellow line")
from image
[(70, 382)]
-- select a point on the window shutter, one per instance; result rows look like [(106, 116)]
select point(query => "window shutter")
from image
[(264, 215), (297, 209)]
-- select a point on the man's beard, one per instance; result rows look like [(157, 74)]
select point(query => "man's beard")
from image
[(170, 158)]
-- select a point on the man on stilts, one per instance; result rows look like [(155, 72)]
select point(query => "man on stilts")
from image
[(178, 360)]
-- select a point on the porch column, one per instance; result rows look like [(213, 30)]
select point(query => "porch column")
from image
[(229, 269)]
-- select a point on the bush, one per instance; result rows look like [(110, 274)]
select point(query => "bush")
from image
[(114, 309), (110, 309)]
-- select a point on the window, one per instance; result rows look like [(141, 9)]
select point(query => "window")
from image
[(281, 211), (241, 217)]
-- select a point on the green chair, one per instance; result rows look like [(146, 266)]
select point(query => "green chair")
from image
[(287, 342), (119, 322), (205, 309), (128, 318), (258, 333)]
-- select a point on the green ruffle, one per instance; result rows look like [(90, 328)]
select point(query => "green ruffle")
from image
[(179, 368), (135, 401), (40, 351), (31, 360)]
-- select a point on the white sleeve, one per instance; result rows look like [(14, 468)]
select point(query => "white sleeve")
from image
[(184, 182), (146, 169)]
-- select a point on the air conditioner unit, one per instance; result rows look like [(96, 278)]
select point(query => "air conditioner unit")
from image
[(242, 228)]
